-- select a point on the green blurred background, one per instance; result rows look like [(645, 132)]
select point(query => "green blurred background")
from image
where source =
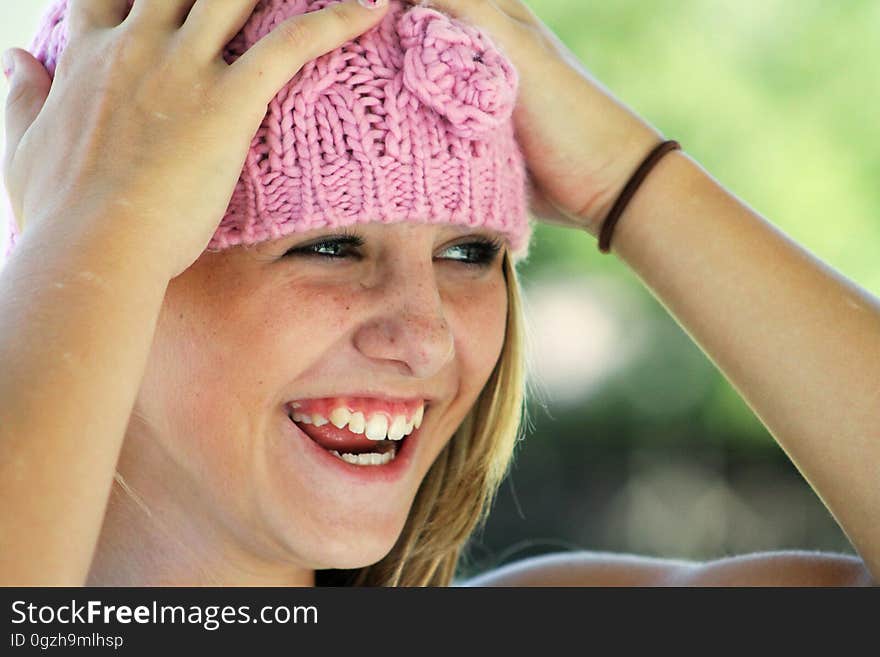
[(639, 445)]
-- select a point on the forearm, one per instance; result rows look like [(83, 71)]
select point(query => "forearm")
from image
[(798, 341), (77, 316)]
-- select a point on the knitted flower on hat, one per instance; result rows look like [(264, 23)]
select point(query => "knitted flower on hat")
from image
[(454, 69), (410, 121)]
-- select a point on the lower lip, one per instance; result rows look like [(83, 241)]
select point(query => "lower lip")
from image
[(390, 472)]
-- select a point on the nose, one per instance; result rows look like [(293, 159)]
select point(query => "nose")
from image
[(407, 324)]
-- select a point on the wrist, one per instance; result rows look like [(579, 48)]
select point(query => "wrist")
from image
[(623, 159), (117, 246)]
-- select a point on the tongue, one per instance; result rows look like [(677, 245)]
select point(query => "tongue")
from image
[(343, 440)]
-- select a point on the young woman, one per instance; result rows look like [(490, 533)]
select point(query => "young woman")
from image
[(337, 402)]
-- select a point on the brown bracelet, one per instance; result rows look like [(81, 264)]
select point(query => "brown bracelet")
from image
[(630, 189)]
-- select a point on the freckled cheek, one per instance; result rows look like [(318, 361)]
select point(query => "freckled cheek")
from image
[(317, 312), (482, 319)]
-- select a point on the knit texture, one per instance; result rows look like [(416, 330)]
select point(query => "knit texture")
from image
[(410, 121)]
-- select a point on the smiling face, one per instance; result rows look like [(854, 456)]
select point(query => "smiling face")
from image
[(246, 331)]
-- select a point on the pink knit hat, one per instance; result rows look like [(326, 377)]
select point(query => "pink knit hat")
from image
[(410, 121)]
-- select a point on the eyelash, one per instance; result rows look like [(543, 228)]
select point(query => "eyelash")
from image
[(486, 249)]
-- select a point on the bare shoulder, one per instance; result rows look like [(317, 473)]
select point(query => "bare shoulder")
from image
[(787, 568)]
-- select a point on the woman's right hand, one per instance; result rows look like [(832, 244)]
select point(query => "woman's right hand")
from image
[(145, 126)]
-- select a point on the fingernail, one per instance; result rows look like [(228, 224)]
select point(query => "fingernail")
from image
[(8, 64), (371, 4)]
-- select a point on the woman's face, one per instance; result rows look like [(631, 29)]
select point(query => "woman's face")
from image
[(245, 332)]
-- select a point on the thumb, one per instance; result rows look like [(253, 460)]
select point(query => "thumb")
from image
[(29, 85)]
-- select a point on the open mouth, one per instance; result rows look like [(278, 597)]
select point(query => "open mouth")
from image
[(349, 446)]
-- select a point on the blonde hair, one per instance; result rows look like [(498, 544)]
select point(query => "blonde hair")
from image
[(458, 491), (457, 494)]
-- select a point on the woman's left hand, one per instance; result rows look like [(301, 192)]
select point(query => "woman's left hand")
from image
[(581, 145)]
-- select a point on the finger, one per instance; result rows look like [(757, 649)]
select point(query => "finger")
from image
[(87, 15), (276, 58), (29, 87), (211, 25), (161, 13)]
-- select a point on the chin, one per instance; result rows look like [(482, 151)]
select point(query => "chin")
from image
[(360, 551), (339, 542)]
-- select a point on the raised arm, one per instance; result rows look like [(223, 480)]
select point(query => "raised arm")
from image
[(78, 309), (799, 341)]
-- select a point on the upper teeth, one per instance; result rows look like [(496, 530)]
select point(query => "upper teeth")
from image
[(377, 428)]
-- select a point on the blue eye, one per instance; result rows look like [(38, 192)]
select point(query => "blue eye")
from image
[(479, 252), (332, 245)]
